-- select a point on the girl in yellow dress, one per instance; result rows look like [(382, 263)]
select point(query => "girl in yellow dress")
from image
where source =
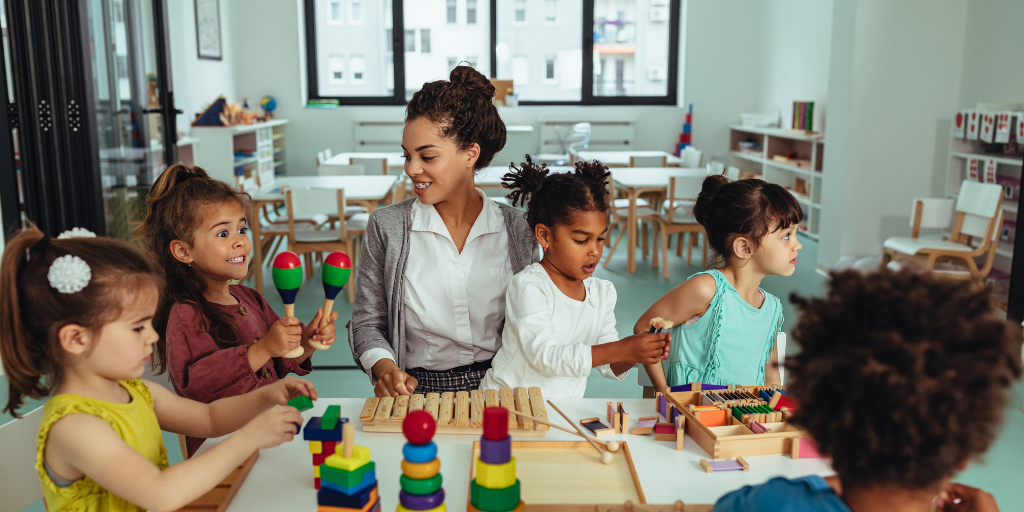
[(76, 322)]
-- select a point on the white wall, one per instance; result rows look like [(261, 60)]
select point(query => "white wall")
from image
[(197, 82), (993, 33), (894, 80)]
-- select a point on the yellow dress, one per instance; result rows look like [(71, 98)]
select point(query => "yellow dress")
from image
[(135, 422)]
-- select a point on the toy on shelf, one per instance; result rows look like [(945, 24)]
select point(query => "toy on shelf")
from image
[(685, 138), (458, 413), (733, 421), (218, 499), (494, 486), (724, 465), (287, 274), (348, 478), (323, 433), (421, 469), (335, 273)]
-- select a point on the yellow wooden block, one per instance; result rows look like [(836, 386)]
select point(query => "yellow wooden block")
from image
[(440, 508), (360, 457), (316, 447), (496, 476), (421, 471), (316, 471)]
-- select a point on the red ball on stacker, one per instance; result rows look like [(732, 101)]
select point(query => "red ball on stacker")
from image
[(419, 427), (495, 423)]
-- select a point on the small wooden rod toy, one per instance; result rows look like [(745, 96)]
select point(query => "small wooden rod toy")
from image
[(606, 458), (612, 446), (348, 439), (335, 272), (287, 274), (659, 324)]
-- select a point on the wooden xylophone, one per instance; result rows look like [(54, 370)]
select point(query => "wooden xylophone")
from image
[(458, 413)]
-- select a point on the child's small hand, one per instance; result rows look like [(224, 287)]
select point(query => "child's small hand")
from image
[(326, 335), (644, 348), (282, 337), (289, 387), (962, 498), (274, 426), (668, 348)]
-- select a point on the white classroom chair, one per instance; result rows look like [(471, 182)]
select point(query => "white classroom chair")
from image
[(676, 218), (690, 157), (19, 481), (321, 157), (732, 172), (715, 167), (371, 165), (340, 170), (648, 161)]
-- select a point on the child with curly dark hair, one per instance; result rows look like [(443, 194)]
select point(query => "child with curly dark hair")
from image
[(726, 326), (559, 319), (901, 380)]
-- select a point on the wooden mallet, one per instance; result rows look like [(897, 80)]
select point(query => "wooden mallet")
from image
[(287, 273), (612, 446), (335, 273), (606, 458)]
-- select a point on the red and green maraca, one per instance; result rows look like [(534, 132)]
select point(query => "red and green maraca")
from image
[(287, 273), (336, 270)]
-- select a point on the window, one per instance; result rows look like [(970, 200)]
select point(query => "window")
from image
[(336, 68), (357, 66), (589, 53), (410, 40), (425, 40)]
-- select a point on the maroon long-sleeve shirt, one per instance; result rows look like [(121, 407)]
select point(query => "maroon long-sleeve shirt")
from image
[(202, 371)]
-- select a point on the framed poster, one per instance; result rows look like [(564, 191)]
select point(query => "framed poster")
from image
[(208, 29)]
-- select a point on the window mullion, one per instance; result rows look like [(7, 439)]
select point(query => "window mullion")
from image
[(587, 94)]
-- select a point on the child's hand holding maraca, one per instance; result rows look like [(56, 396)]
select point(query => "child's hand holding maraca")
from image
[(335, 273), (284, 336), (318, 333)]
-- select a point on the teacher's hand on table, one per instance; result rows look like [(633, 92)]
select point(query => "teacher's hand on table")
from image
[(391, 381)]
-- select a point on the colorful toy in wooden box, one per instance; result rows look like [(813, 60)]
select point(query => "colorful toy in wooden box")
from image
[(348, 480), (495, 487), (322, 432), (421, 469), (732, 421)]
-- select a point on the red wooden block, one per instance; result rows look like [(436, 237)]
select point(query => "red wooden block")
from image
[(495, 423), (316, 483), (664, 429), (329, 446), (785, 401), (419, 427), (319, 458)]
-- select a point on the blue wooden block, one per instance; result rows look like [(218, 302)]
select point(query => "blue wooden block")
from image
[(664, 408), (684, 387), (495, 452), (369, 481), (313, 432), (707, 387), (419, 453), (328, 497)]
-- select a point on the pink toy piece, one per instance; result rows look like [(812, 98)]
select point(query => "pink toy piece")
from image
[(646, 424), (726, 465), (665, 429)]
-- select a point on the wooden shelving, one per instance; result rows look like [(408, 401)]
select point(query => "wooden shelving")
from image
[(218, 146)]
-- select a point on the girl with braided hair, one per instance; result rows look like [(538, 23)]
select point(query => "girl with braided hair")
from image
[(559, 319)]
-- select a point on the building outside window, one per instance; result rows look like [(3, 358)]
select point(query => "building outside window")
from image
[(425, 40), (452, 9), (471, 12)]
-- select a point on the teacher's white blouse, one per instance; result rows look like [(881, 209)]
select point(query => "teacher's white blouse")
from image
[(548, 336), (454, 303)]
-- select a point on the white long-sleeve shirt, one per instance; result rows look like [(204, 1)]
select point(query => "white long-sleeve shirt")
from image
[(548, 337)]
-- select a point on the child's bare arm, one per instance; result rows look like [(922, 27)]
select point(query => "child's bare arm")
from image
[(692, 297), (196, 419), (81, 444)]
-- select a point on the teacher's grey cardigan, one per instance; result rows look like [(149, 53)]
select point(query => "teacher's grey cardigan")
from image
[(377, 315)]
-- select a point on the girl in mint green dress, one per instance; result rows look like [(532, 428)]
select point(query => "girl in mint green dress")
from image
[(725, 324)]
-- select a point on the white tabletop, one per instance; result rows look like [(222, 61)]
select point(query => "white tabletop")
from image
[(651, 177), (518, 128), (491, 176), (357, 188), (395, 159), (282, 478), (622, 157)]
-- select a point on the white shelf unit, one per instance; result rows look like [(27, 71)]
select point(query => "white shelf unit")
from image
[(776, 141), (218, 145), (960, 152)]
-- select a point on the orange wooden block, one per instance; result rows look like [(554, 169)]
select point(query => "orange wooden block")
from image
[(716, 418)]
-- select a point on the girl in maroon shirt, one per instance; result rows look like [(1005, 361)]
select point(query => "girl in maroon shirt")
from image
[(217, 339)]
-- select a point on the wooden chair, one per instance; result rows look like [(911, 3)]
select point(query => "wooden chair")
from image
[(19, 482), (648, 161), (345, 238), (978, 215), (677, 217), (371, 164), (321, 158), (340, 170), (620, 218), (691, 157)]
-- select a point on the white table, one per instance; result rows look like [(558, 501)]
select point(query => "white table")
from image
[(635, 181), (395, 160), (622, 158), (518, 128), (363, 190), (282, 478), (490, 177)]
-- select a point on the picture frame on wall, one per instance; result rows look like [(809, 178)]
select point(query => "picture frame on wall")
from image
[(208, 41)]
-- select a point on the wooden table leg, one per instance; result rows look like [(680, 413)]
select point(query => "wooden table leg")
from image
[(631, 227), (257, 252)]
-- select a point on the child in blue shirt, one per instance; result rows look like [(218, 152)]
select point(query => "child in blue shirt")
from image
[(902, 379)]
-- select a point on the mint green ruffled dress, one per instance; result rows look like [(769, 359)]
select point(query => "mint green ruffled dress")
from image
[(730, 344)]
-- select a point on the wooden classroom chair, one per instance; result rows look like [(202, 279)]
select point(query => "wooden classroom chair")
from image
[(691, 157), (19, 482), (978, 215), (677, 217), (371, 165), (645, 214), (344, 238), (340, 170), (648, 161)]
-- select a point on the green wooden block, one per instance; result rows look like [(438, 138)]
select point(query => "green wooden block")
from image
[(330, 418), (420, 487), (493, 500), (302, 403), (344, 478)]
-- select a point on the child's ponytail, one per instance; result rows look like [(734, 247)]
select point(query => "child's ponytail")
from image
[(32, 311), (551, 198), (525, 181), (595, 175)]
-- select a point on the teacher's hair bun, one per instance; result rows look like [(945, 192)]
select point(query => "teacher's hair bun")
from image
[(471, 79)]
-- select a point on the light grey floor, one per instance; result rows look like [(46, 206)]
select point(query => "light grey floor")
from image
[(999, 472)]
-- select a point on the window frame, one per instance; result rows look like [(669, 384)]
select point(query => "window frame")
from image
[(587, 97)]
